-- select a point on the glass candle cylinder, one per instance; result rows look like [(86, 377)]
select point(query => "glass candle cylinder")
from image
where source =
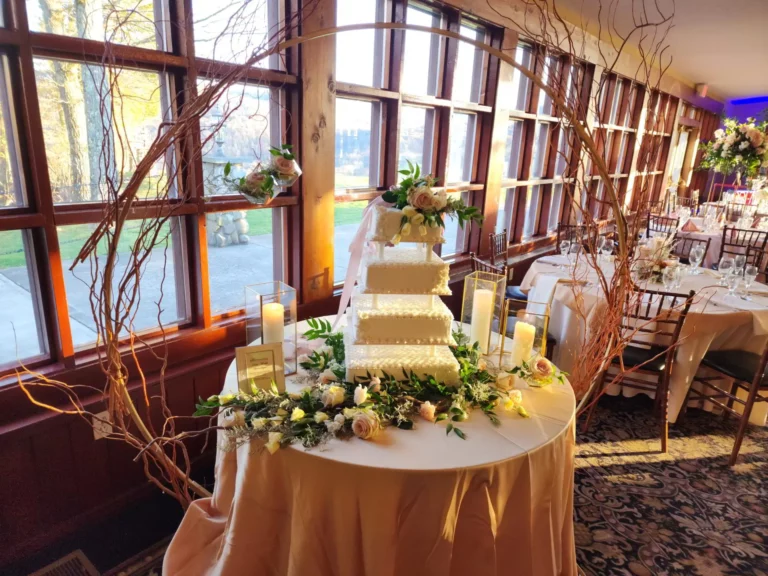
[(271, 318), (525, 331), (482, 308)]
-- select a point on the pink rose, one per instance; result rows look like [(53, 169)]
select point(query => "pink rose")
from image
[(755, 137), (255, 179), (427, 411), (365, 424), (421, 199), (283, 165), (542, 369)]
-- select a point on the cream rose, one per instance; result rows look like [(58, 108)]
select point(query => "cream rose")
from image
[(406, 229), (365, 424), (297, 414), (409, 211), (440, 200), (283, 165), (417, 219), (328, 376), (542, 369), (273, 443), (233, 418), (420, 198), (375, 384), (258, 423), (427, 411), (320, 417), (504, 381), (332, 396), (361, 394)]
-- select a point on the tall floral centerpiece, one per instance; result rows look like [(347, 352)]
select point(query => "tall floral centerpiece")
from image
[(424, 207), (258, 186), (738, 148)]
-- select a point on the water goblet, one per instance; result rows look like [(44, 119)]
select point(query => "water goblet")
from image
[(750, 273), (608, 247), (732, 280), (695, 257), (724, 267), (599, 246), (738, 263), (668, 277)]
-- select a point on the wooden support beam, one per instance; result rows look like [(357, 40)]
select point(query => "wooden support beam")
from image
[(318, 145)]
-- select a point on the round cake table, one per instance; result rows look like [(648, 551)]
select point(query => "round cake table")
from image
[(409, 502)]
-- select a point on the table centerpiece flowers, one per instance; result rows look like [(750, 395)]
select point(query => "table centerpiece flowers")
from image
[(258, 186), (738, 147), (424, 207), (538, 372), (328, 407), (654, 257)]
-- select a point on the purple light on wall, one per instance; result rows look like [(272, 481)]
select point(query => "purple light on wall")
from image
[(743, 108)]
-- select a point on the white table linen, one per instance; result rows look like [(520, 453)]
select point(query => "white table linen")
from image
[(716, 321)]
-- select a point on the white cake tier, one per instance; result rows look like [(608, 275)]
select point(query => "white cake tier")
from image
[(400, 320), (397, 360), (386, 223), (404, 271)]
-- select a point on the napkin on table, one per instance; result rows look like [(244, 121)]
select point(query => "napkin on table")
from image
[(690, 226)]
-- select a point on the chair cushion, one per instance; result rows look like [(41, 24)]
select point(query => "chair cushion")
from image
[(516, 293), (738, 364), (635, 356)]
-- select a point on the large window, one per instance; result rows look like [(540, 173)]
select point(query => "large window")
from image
[(359, 53), (422, 65), (417, 125), (358, 124)]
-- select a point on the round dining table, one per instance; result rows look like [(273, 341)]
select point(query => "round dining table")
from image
[(716, 320), (418, 502)]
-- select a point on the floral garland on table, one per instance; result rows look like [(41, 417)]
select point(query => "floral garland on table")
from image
[(332, 407), (423, 207), (259, 184), (737, 148)]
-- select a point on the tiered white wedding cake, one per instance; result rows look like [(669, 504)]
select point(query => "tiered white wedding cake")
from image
[(397, 323)]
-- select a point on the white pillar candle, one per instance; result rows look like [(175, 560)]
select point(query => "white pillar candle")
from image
[(273, 320), (522, 342), (482, 316)]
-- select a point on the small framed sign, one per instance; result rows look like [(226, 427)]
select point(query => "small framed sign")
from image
[(259, 366)]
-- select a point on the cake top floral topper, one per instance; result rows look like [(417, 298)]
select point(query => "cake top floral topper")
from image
[(740, 147), (422, 206)]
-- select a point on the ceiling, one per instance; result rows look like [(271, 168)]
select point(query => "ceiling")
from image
[(722, 43)]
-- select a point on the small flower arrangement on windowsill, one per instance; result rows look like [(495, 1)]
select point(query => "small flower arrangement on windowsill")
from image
[(423, 207), (258, 186)]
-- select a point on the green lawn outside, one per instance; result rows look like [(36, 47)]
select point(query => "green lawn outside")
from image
[(72, 238)]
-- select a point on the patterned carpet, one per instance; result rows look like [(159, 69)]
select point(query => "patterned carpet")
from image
[(640, 512)]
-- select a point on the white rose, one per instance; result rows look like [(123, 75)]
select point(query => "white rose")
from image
[(744, 145), (737, 158), (339, 419), (365, 424), (258, 423), (504, 381), (375, 384), (427, 411), (361, 395), (440, 200), (719, 133), (273, 443), (332, 396), (328, 376), (320, 417)]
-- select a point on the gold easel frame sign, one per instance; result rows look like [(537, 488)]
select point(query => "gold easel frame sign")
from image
[(259, 366)]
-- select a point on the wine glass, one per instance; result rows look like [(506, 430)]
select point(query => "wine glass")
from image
[(724, 267), (608, 247), (732, 281), (668, 277), (565, 248), (695, 257), (599, 245), (750, 273), (678, 275), (738, 263)]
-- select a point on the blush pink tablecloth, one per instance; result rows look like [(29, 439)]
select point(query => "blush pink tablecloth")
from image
[(410, 503)]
